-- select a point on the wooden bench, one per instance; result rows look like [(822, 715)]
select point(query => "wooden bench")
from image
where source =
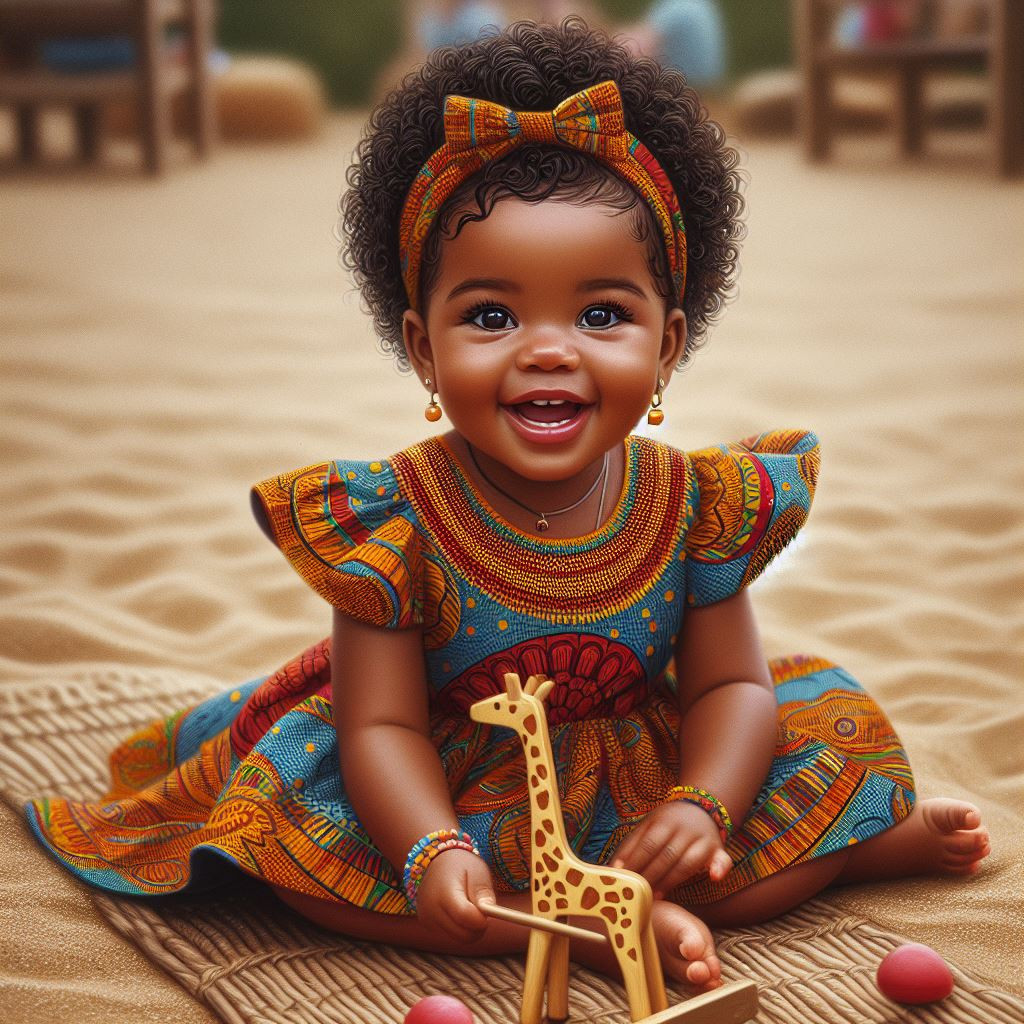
[(999, 52), (153, 80)]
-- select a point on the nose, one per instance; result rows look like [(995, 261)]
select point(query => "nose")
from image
[(547, 348)]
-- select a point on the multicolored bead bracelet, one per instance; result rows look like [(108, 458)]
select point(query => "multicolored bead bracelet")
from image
[(706, 802), (426, 849)]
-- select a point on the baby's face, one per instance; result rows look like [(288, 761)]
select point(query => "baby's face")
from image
[(545, 303)]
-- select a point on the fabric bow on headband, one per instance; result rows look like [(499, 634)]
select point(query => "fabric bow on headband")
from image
[(479, 131)]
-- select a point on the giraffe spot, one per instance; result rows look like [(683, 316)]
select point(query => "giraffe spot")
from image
[(590, 896), (620, 939), (551, 862), (542, 771), (608, 913), (542, 799), (559, 854), (530, 724), (612, 896), (561, 904), (560, 887), (608, 879), (512, 707), (631, 954), (536, 885), (539, 838), (627, 893), (523, 740), (543, 906), (534, 781), (549, 826), (627, 922), (534, 751), (574, 876)]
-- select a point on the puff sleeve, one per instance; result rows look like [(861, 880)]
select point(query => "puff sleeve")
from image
[(754, 495), (347, 530)]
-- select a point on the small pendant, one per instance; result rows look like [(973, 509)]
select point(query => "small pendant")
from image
[(542, 524)]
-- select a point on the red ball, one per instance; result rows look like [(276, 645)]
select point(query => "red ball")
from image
[(914, 973), (439, 1010)]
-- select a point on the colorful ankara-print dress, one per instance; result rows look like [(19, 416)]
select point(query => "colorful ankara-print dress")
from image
[(251, 777)]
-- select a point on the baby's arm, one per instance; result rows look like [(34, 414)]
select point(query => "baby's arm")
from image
[(727, 735), (391, 769)]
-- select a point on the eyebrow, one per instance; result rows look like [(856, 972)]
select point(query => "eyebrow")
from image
[(473, 283), (593, 284), (624, 283)]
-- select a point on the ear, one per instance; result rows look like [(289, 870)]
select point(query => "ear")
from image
[(673, 342), (417, 345)]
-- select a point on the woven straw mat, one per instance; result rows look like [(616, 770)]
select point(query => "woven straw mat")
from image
[(252, 961)]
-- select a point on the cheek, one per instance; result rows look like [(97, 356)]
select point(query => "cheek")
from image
[(468, 372)]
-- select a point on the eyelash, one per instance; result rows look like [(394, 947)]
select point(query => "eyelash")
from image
[(621, 311)]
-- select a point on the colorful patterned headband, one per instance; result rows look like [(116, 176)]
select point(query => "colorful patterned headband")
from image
[(478, 131)]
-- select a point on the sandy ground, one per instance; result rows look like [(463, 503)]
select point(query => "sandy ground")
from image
[(165, 344)]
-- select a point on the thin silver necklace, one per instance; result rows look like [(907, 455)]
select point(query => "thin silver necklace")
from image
[(542, 517)]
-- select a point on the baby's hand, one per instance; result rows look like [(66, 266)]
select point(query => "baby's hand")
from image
[(674, 842), (454, 881)]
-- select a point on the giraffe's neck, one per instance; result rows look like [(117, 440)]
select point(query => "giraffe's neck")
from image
[(547, 826)]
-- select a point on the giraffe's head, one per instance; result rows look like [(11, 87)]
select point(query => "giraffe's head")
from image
[(517, 704)]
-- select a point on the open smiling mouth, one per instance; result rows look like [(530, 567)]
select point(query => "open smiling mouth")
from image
[(548, 419)]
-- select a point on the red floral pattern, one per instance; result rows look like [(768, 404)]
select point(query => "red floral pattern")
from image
[(594, 676)]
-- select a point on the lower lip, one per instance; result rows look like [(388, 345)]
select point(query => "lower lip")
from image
[(541, 434)]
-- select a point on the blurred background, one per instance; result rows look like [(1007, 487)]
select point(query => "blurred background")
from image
[(262, 70), (174, 325)]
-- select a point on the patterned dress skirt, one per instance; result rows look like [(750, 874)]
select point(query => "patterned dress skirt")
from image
[(249, 779)]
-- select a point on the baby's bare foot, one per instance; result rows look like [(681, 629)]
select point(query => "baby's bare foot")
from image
[(960, 840), (686, 947), (939, 836)]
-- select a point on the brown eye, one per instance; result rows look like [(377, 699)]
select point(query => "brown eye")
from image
[(603, 316), (490, 318)]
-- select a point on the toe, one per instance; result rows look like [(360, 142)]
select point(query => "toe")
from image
[(692, 945), (697, 973), (966, 842)]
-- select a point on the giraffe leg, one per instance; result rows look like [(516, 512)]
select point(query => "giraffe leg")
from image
[(633, 973), (538, 954), (652, 970), (558, 979)]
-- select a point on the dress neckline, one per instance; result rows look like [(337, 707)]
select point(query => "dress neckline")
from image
[(566, 580), (501, 526)]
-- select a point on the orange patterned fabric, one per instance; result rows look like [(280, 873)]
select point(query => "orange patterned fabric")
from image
[(251, 776), (477, 131)]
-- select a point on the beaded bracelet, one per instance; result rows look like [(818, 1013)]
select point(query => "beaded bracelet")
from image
[(706, 802), (426, 849)]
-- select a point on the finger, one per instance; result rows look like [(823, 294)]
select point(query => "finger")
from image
[(721, 865), (654, 852), (625, 855), (697, 857)]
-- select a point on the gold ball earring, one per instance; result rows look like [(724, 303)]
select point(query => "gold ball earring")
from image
[(655, 416), (433, 410)]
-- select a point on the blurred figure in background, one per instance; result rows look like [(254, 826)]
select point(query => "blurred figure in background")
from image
[(686, 34), (452, 22)]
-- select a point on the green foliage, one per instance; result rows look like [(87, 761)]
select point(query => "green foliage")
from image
[(347, 41)]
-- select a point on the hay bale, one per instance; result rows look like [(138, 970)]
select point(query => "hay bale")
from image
[(257, 98), (269, 99)]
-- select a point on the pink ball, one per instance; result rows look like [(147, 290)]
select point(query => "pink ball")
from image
[(439, 1010), (914, 973)]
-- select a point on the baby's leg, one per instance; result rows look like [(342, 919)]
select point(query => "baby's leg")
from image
[(685, 944), (939, 836)]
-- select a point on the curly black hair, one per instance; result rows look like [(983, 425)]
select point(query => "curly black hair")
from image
[(528, 66)]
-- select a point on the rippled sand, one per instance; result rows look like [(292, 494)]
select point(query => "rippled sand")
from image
[(165, 344)]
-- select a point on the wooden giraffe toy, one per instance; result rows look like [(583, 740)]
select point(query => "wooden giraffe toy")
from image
[(562, 884)]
